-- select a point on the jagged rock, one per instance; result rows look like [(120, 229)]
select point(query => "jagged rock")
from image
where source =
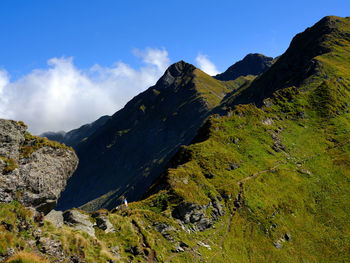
[(52, 247), (267, 121), (277, 143), (35, 179), (55, 217), (5, 196), (278, 244), (200, 243), (9, 253), (183, 244), (115, 251), (203, 224), (184, 211), (11, 136), (173, 72), (103, 223), (79, 221), (232, 166), (218, 207), (288, 237), (164, 229), (178, 249), (192, 213)]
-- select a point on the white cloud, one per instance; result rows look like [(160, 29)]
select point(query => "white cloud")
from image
[(63, 97), (206, 65)]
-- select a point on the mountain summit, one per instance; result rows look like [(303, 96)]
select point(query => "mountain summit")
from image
[(251, 64), (302, 61)]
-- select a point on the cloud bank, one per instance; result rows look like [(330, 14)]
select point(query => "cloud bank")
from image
[(63, 97), (206, 65)]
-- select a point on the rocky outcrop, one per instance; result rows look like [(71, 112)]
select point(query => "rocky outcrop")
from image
[(102, 221), (33, 171), (79, 221), (195, 214), (55, 217)]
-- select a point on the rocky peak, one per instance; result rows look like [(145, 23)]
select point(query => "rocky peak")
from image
[(251, 64), (33, 170), (175, 71), (312, 41), (300, 61)]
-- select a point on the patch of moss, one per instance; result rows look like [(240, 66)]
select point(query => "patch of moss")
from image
[(10, 164), (33, 143)]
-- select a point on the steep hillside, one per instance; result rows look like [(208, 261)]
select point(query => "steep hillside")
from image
[(282, 170), (74, 137), (251, 64), (125, 155)]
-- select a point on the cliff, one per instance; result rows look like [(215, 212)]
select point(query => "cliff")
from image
[(33, 170)]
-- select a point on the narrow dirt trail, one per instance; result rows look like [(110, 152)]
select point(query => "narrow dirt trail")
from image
[(147, 250)]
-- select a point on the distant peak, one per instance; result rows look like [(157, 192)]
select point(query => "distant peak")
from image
[(179, 68), (176, 70), (250, 55), (251, 64)]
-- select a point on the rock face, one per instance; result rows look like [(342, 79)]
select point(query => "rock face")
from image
[(32, 171), (251, 64)]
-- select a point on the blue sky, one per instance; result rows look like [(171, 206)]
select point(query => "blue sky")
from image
[(106, 31), (66, 62)]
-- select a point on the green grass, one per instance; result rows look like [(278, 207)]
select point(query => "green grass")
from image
[(33, 143)]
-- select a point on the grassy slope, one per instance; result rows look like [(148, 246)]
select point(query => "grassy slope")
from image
[(303, 190)]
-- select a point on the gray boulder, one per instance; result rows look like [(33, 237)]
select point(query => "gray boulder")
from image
[(78, 221), (102, 222), (195, 214), (55, 217)]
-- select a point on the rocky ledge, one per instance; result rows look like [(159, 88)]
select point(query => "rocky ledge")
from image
[(33, 170), (195, 214)]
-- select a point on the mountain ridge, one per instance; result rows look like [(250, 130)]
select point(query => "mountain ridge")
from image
[(183, 95)]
